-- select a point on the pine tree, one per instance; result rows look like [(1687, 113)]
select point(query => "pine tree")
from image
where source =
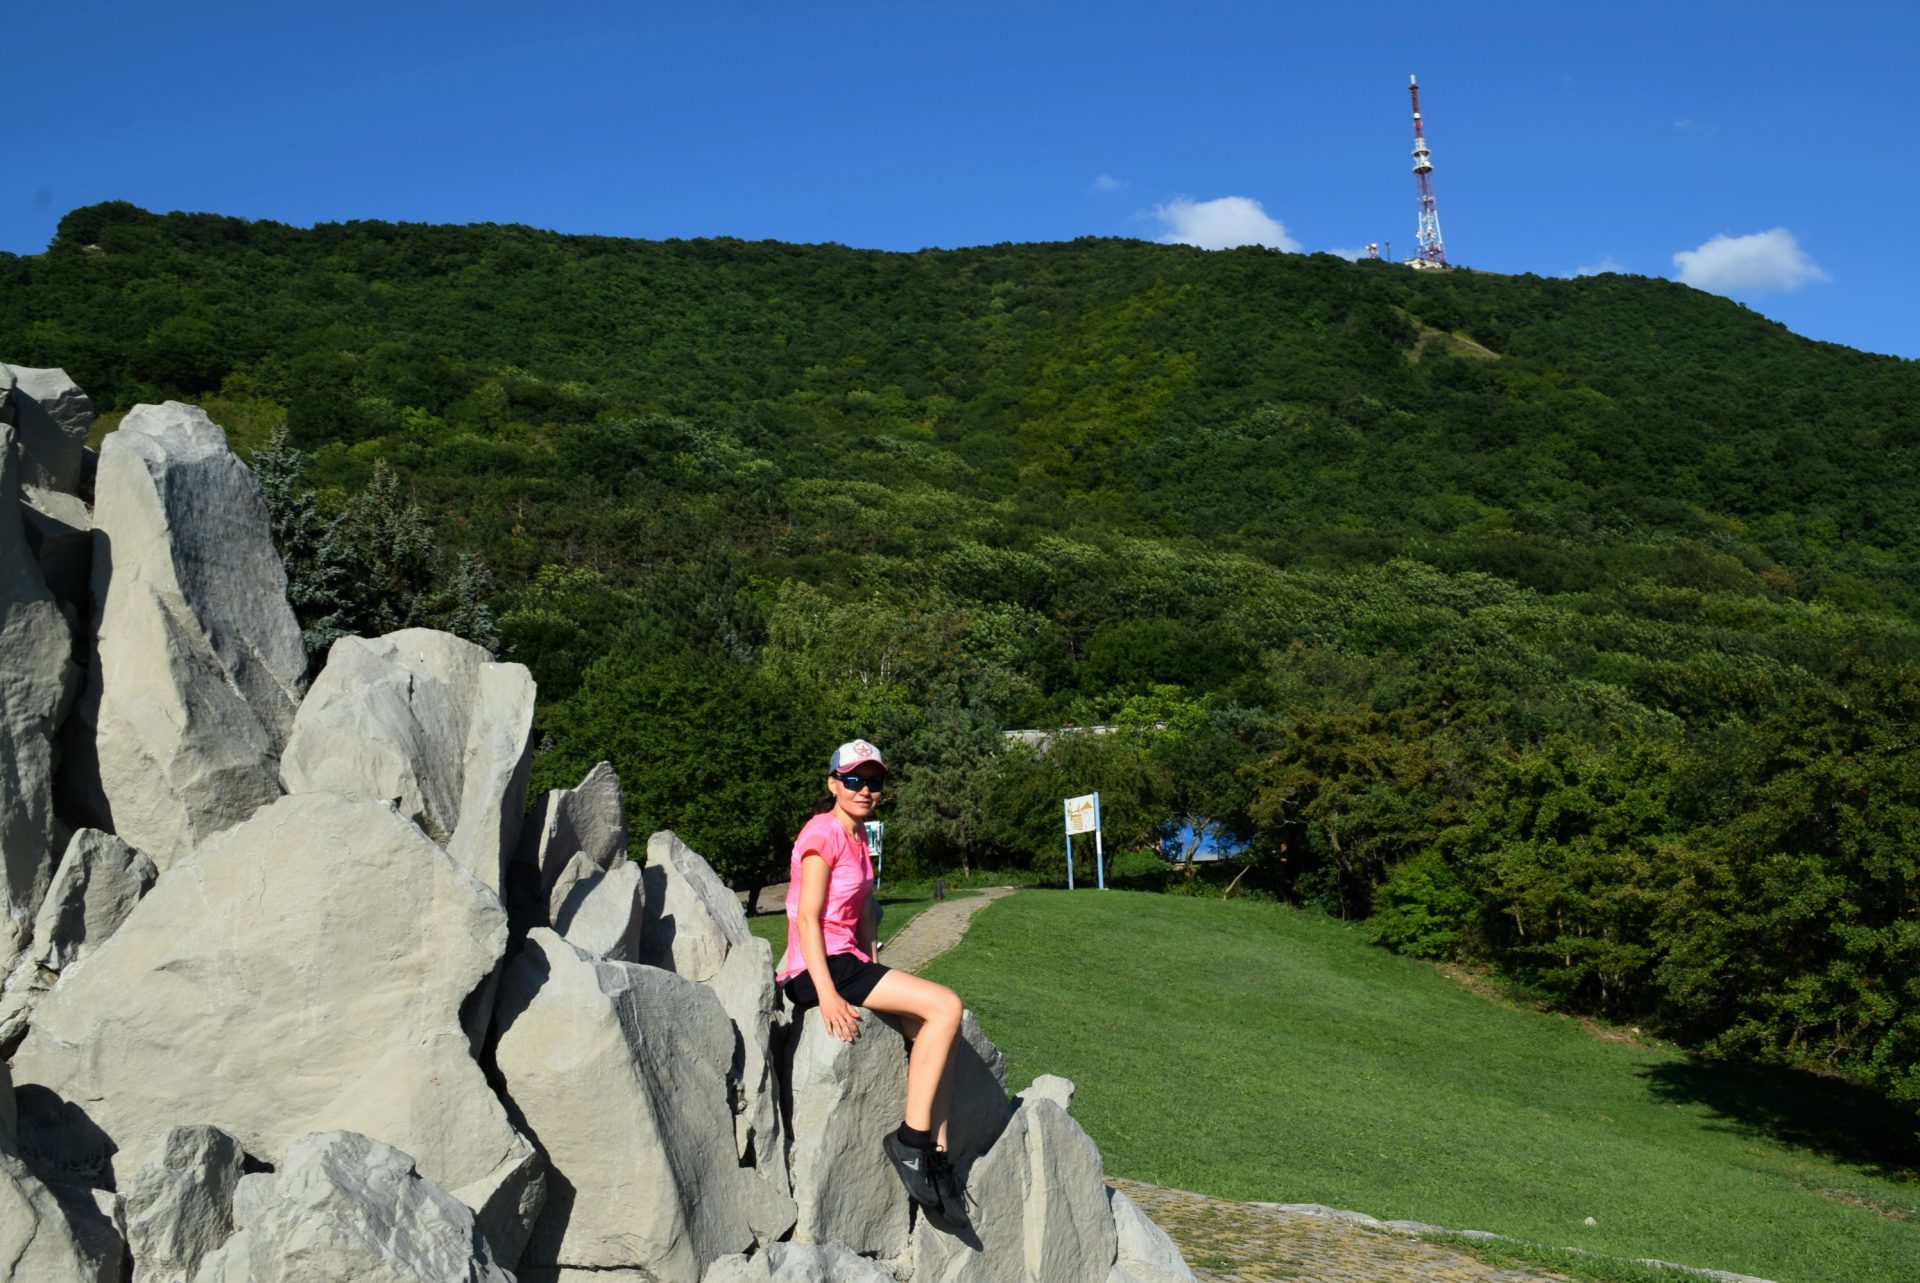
[(371, 568), (312, 546)]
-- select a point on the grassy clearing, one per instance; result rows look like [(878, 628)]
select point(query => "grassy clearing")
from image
[(1250, 1051)]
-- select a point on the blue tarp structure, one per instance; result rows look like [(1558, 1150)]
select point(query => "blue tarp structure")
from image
[(1176, 833)]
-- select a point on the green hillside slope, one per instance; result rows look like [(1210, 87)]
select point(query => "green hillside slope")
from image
[(1569, 625)]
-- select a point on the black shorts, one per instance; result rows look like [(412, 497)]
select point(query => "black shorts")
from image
[(852, 977)]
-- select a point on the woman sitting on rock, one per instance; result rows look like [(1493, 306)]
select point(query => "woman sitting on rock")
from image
[(832, 921)]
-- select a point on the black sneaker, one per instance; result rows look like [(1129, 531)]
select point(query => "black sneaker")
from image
[(953, 1203), (916, 1170)]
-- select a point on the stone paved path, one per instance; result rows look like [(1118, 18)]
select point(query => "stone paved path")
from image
[(937, 929), (1227, 1242)]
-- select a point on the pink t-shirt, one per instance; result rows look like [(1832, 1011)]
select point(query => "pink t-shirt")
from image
[(849, 883)]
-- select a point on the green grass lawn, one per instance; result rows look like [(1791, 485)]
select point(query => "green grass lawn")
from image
[(1254, 1052)]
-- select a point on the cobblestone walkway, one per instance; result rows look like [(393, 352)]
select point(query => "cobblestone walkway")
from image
[(1228, 1242), (937, 929)]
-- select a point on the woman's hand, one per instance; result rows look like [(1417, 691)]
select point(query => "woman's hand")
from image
[(840, 1017)]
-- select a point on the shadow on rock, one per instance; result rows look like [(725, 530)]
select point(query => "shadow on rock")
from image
[(60, 1141)]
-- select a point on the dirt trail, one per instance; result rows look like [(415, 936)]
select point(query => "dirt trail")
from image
[(937, 929)]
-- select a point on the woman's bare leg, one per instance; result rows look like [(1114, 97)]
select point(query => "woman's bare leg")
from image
[(936, 1011)]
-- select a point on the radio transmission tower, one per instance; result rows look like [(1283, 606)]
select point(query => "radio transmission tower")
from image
[(1431, 252)]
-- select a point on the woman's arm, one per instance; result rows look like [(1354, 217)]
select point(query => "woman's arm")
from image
[(836, 1013)]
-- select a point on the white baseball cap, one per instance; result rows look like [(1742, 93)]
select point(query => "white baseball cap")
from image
[(854, 753)]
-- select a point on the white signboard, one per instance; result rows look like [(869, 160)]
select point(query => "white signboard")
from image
[(1083, 816), (1083, 813)]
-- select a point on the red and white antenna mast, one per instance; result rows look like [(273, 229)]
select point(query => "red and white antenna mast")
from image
[(1431, 252)]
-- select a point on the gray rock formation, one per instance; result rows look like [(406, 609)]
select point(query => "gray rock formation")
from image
[(692, 919), (59, 530), (53, 416), (585, 886), (302, 971), (493, 784), (99, 880), (1039, 1204), (49, 1235), (431, 721), (1143, 1252), (40, 682), (619, 1073), (1050, 1087), (39, 1242), (845, 1097), (298, 975), (744, 985), (179, 1207), (800, 1263), (978, 1111), (343, 1208), (695, 927), (198, 664)]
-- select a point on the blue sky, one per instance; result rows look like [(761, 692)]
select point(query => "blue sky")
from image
[(1765, 145)]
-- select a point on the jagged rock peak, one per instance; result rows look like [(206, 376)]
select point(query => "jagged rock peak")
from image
[(198, 664)]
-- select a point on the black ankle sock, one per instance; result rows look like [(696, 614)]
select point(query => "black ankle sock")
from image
[(915, 1137)]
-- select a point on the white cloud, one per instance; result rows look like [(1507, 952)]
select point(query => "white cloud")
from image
[(1687, 126), (1221, 224), (1770, 260), (1351, 255), (1607, 263), (1107, 183)]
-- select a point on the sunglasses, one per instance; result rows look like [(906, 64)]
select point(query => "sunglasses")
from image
[(855, 783)]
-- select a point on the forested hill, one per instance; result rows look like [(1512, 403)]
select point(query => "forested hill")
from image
[(1572, 625)]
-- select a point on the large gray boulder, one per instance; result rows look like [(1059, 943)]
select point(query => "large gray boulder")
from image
[(344, 1208), (198, 664), (39, 684), (1143, 1252), (744, 985), (692, 921), (493, 772), (303, 971), (53, 416), (431, 721), (800, 1263), (845, 1098), (1039, 1206), (574, 852), (55, 1234), (696, 928), (619, 1072), (99, 880), (179, 1207), (59, 530), (39, 1239), (978, 1108)]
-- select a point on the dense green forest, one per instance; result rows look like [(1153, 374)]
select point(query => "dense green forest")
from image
[(1567, 626)]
